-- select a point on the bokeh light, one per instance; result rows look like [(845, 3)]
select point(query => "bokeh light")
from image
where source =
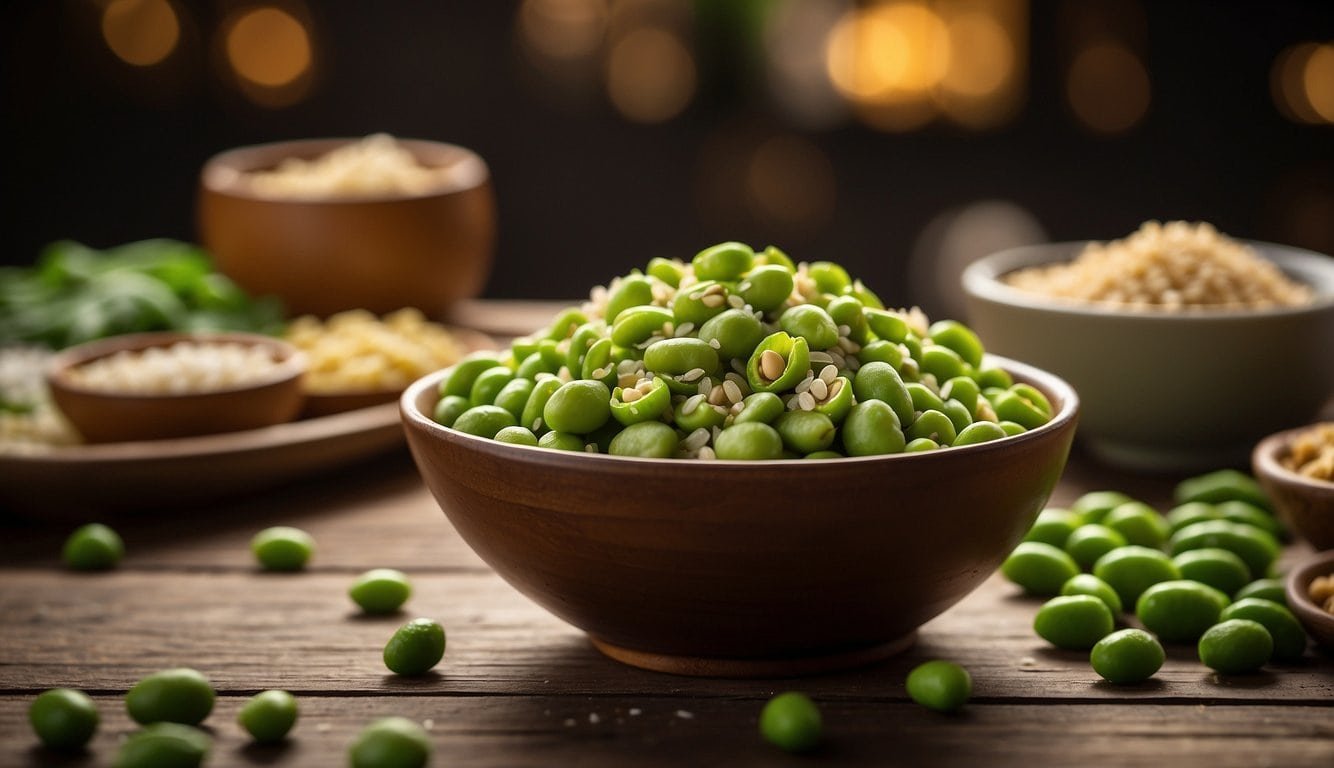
[(794, 44), (790, 184), (981, 55), (271, 54), (141, 32), (563, 29), (889, 50), (1108, 88), (650, 75), (1318, 82)]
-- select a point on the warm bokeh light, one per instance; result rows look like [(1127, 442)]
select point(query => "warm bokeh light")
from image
[(563, 29), (794, 46), (141, 32), (268, 47), (1318, 81), (1108, 88), (1287, 83), (877, 54), (650, 75), (790, 184), (981, 55)]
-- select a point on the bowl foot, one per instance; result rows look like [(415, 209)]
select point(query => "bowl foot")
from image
[(709, 666)]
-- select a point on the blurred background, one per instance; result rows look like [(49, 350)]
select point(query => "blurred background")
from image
[(899, 137)]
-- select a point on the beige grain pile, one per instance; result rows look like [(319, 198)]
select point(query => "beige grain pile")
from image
[(1312, 453), (1171, 267)]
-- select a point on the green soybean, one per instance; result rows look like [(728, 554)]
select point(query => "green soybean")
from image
[(872, 428), (879, 381), (1040, 569), (164, 745), (1287, 633), (724, 261), (380, 590), (1074, 622), (1222, 485), (1053, 526), (93, 547), (485, 420), (791, 722), (179, 695), (1266, 589), (391, 742), (1132, 569), (1138, 523), (811, 323), (1095, 505), (766, 287), (1127, 656), (1236, 646), (1089, 542), (805, 431), (1254, 545), (516, 435), (63, 718), (578, 407), (1088, 584), (1216, 567), (940, 685), (449, 408), (749, 440), (268, 716), (282, 548), (415, 648), (648, 439), (1179, 611), (734, 333)]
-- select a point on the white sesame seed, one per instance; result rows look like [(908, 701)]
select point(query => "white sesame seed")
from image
[(691, 375), (806, 401), (732, 390), (715, 344), (819, 389), (691, 404)]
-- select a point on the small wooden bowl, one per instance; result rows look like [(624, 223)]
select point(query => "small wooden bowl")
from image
[(744, 568), (1319, 624), (101, 416), (1304, 503)]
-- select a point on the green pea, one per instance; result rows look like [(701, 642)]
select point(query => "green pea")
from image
[(516, 435), (630, 291), (941, 362), (268, 716), (1189, 513), (668, 271), (748, 440), (1025, 405), (933, 425), (1139, 524), (923, 398), (879, 381), (1179, 611), (645, 407), (958, 337), (63, 718), (164, 745), (872, 428), (415, 647), (811, 323), (649, 439), (699, 302), (1094, 505), (282, 548), (963, 389), (93, 547), (889, 326), (564, 324), (1132, 569), (806, 431), (1216, 567), (1053, 526), (793, 354), (391, 742), (763, 407), (637, 324), (940, 685), (449, 408), (579, 407), (537, 403), (1074, 622), (514, 396), (561, 441), (978, 432), (1040, 569), (1254, 545), (791, 722), (178, 695), (1223, 485), (1088, 584), (1266, 589), (460, 377), (1089, 542), (380, 590), (1287, 633), (1236, 646), (961, 417), (484, 420), (766, 287), (734, 333), (882, 351), (920, 445), (681, 355), (1127, 656), (724, 261)]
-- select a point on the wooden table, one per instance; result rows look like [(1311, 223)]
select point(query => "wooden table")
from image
[(518, 687)]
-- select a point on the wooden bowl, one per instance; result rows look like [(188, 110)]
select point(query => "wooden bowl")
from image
[(379, 253), (1304, 503), (1319, 624), (101, 416), (736, 568)]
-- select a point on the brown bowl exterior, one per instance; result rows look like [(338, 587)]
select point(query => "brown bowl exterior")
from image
[(743, 560), (104, 417), (1319, 624), (321, 257), (1304, 503)]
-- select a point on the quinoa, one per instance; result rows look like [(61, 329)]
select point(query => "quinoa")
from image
[(1312, 453), (1167, 267)]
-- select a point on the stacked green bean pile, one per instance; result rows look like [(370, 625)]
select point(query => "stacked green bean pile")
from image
[(739, 354)]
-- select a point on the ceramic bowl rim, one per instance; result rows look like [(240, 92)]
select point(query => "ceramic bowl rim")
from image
[(1265, 461), (1048, 382), (981, 280), (221, 174)]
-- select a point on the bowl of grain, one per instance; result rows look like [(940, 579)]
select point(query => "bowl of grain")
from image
[(1296, 468), (1186, 346), (329, 225), (1310, 592), (153, 386)]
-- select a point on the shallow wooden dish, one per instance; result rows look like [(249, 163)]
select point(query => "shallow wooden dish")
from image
[(102, 416), (734, 568), (1304, 503), (1319, 624)]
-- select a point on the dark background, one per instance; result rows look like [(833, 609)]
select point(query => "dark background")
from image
[(104, 154)]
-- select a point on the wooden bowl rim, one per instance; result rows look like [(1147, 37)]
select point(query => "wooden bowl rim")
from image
[(1266, 462), (1299, 600)]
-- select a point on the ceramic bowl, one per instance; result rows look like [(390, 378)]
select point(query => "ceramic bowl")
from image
[(1167, 391), (1304, 503), (738, 568), (102, 416), (1318, 622), (378, 252)]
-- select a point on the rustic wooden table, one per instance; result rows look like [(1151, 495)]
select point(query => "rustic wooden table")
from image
[(518, 687)]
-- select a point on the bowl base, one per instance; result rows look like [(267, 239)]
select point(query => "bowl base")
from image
[(1142, 458), (709, 666)]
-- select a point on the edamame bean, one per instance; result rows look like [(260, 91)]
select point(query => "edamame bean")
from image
[(734, 334), (561, 441), (1040, 569), (632, 291), (448, 410), (879, 381), (811, 323), (763, 407), (637, 324), (668, 271), (1088, 584), (649, 439), (1024, 405), (677, 356), (1222, 485), (1190, 513), (164, 745), (1236, 646), (791, 722), (380, 590), (829, 277), (847, 311), (805, 431), (282, 548), (179, 695), (921, 445), (959, 338), (1094, 505), (391, 742), (516, 435), (1132, 569), (749, 440), (933, 425), (923, 398), (766, 287), (940, 685), (514, 396), (872, 428), (93, 547), (724, 261), (1251, 544), (1089, 542), (63, 718), (1139, 524), (1053, 526), (488, 384), (578, 407), (1287, 633), (537, 403), (415, 647), (962, 418), (461, 376), (268, 716), (978, 432), (889, 326), (1073, 622), (1266, 589), (1179, 611), (941, 362), (1216, 567), (1127, 656), (485, 420)]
